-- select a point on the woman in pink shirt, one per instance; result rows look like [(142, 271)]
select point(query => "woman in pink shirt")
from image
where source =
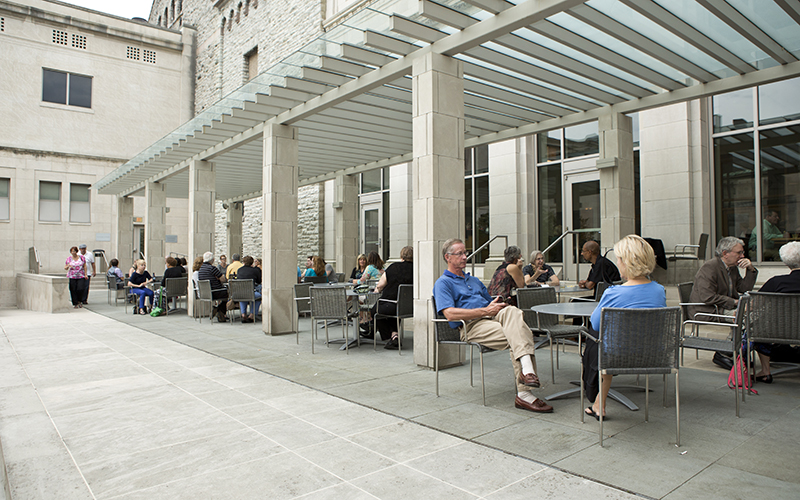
[(76, 272)]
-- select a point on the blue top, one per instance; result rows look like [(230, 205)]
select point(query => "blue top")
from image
[(634, 297), (310, 272), (462, 292)]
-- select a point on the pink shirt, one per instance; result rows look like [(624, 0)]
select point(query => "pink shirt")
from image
[(76, 267)]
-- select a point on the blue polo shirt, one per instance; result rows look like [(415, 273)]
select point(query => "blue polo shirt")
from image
[(462, 292)]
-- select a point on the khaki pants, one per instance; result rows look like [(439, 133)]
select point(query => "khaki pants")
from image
[(507, 330)]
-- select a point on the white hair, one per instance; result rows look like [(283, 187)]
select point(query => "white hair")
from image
[(208, 257), (790, 254)]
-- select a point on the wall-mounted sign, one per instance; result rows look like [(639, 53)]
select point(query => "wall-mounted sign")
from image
[(171, 238), (102, 236), (137, 220)]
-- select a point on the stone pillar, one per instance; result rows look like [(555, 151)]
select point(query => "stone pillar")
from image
[(124, 235), (202, 194), (617, 202), (401, 214), (155, 225), (438, 187), (279, 235), (345, 214), (233, 228)]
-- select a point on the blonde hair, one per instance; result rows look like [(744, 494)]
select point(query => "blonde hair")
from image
[(358, 259), (139, 262), (636, 255)]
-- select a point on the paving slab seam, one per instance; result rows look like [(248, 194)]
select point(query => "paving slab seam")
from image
[(49, 416), (470, 440)]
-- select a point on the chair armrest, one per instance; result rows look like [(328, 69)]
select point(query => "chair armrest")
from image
[(445, 320), (581, 299), (387, 300), (590, 336), (683, 247)]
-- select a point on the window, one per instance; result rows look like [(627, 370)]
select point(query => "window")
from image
[(376, 182), (66, 88), (49, 201), (333, 7), (757, 167), (581, 140), (79, 209), (476, 198), (251, 63), (5, 209), (550, 210)]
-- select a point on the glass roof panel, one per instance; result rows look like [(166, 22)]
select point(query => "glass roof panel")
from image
[(645, 27), (614, 45), (772, 20), (711, 26)]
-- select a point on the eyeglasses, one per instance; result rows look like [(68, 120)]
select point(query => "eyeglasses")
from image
[(457, 254)]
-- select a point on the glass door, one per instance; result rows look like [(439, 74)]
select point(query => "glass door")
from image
[(371, 225), (582, 211)]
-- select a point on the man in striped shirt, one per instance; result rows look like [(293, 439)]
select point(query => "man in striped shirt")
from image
[(208, 271)]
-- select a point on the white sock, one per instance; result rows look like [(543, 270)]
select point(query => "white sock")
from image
[(526, 396), (527, 364)]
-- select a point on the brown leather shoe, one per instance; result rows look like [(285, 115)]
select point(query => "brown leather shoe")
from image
[(529, 379), (538, 406)]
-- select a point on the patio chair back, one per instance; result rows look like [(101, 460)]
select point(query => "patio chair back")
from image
[(774, 318), (329, 303), (175, 287), (600, 289), (204, 296), (241, 291), (404, 309), (113, 291), (684, 294), (529, 297), (302, 305), (640, 341), (315, 279), (340, 278)]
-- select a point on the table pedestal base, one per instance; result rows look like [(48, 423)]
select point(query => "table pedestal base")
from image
[(612, 394)]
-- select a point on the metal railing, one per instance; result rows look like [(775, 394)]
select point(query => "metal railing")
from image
[(471, 256), (574, 233), (34, 262)]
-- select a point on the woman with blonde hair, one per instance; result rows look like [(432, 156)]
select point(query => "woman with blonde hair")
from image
[(138, 283), (635, 260), (361, 265)]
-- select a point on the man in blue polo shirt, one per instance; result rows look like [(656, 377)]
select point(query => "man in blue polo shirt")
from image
[(492, 323)]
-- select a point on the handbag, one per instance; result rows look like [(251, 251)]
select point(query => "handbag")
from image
[(738, 377), (231, 305)]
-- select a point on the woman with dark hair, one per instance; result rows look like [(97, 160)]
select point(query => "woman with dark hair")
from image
[(248, 272), (508, 276), (399, 273), (75, 267), (115, 273), (374, 268)]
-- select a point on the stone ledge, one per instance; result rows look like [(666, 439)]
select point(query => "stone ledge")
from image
[(43, 293)]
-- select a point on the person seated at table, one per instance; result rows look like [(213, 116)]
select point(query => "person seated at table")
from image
[(718, 283), (330, 271), (138, 282), (182, 265), (173, 270), (786, 283), (223, 263), (196, 265), (361, 265), (602, 268), (115, 273), (317, 267), (233, 267), (248, 272), (399, 273), (538, 273), (374, 268), (494, 324), (211, 273), (635, 260), (508, 276)]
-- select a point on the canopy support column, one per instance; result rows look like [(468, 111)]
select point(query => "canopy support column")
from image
[(617, 201), (438, 185), (279, 234), (202, 194), (345, 216), (155, 225), (124, 235), (235, 214)]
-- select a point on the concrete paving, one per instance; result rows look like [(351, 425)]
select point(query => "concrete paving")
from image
[(99, 404)]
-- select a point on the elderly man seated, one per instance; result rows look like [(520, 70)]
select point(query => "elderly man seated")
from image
[(492, 323), (718, 282), (211, 273), (787, 283)]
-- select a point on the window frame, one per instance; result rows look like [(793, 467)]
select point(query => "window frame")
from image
[(75, 207), (46, 203), (70, 98)]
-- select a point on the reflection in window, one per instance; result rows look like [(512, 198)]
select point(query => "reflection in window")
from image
[(779, 102), (780, 189), (733, 111), (735, 187), (549, 146), (476, 195), (550, 212), (581, 140), (586, 210), (371, 181)]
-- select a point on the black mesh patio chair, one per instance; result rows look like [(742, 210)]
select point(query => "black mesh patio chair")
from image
[(116, 290), (205, 295), (547, 324), (241, 291), (599, 289), (732, 344), (329, 303), (340, 278), (175, 288), (700, 319), (773, 318), (315, 280), (638, 341), (302, 304), (404, 309), (443, 333)]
